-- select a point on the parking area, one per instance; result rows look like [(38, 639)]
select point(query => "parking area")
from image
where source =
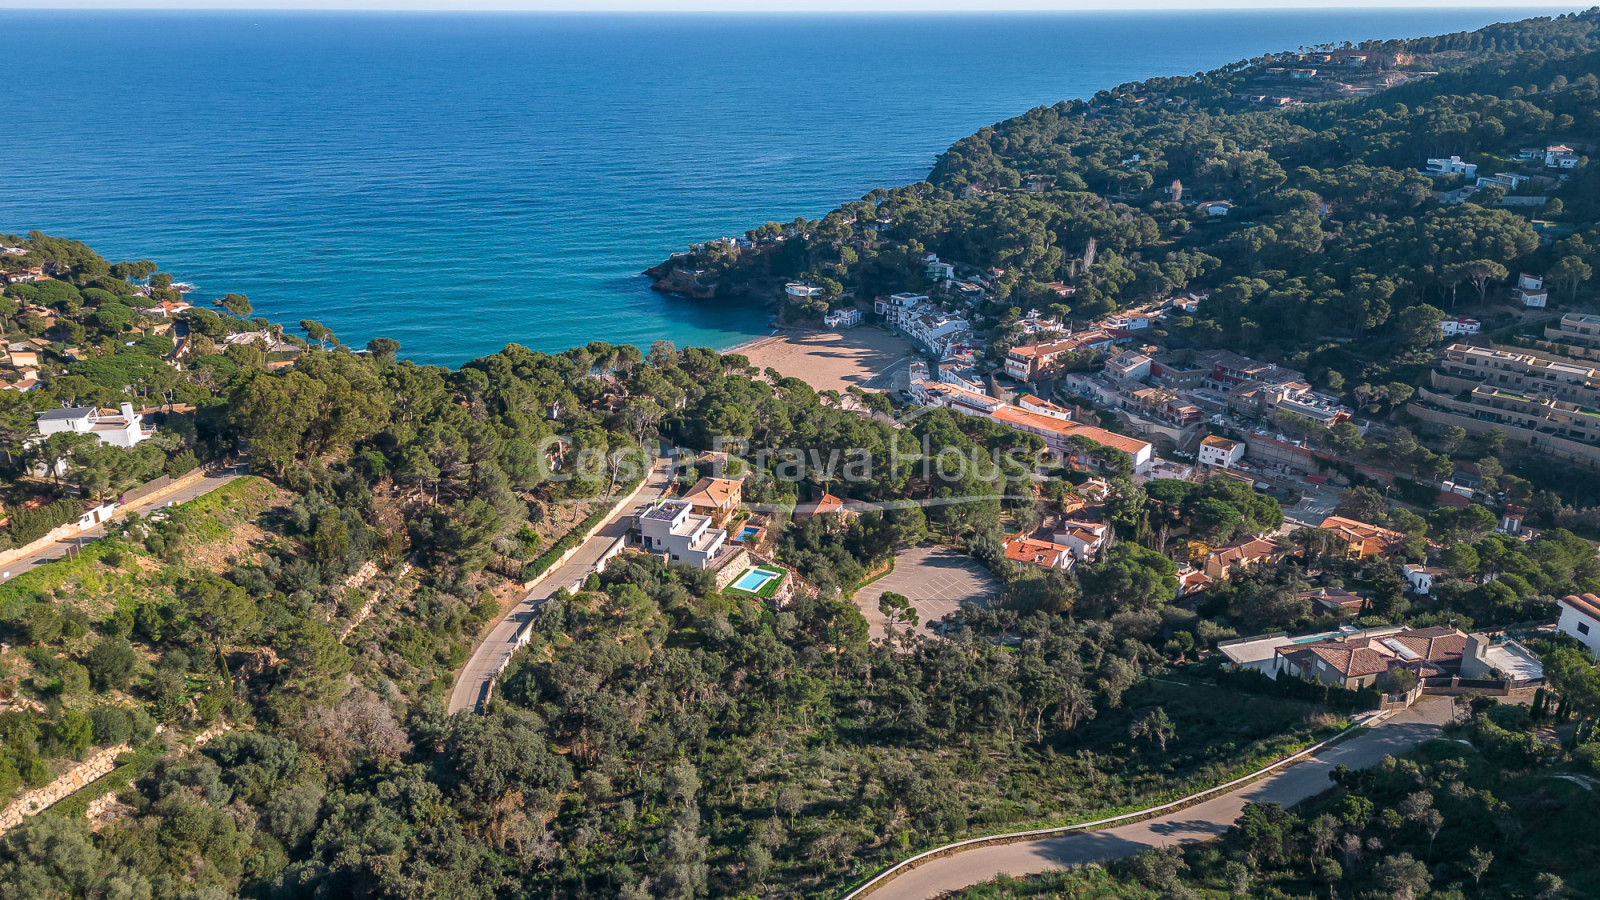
[(1317, 502), (936, 579)]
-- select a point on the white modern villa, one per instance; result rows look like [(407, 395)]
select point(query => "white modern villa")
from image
[(674, 529), (123, 428)]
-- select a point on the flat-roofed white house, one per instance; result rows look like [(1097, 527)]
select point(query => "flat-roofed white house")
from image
[(1452, 165), (673, 529), (124, 428), (802, 291)]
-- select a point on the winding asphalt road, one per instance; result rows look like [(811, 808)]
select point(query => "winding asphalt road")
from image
[(1200, 822), (83, 539), (472, 685)]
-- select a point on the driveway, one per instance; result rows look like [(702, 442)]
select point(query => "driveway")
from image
[(936, 579), (472, 685), (83, 539), (1200, 822)]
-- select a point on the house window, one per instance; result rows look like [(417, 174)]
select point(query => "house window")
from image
[(1583, 627)]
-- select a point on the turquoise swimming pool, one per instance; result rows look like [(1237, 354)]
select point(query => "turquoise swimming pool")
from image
[(754, 580), (748, 532)]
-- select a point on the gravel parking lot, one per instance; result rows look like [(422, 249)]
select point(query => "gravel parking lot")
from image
[(937, 579)]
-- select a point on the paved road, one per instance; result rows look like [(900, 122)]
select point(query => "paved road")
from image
[(473, 682), (1200, 822), (76, 543), (935, 579)]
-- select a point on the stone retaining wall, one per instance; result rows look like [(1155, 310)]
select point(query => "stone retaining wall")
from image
[(36, 801), (733, 568)]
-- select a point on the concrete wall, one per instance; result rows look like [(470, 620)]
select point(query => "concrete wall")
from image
[(1548, 444)]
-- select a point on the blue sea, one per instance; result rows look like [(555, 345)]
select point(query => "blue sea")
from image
[(460, 182)]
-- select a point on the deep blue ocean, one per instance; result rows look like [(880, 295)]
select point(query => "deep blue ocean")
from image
[(460, 182)]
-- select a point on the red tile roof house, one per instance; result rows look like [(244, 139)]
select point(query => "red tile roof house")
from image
[(825, 504), (1361, 539), (1243, 553), (718, 498), (1362, 660), (1028, 550), (1330, 601)]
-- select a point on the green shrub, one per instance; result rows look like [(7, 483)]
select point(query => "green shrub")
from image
[(110, 663)]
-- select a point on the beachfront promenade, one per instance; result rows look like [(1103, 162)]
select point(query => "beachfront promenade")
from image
[(491, 655)]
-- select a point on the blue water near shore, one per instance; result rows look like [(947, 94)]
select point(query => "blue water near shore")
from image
[(461, 182)]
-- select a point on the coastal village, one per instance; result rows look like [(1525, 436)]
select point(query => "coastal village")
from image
[(1235, 504), (1113, 394)]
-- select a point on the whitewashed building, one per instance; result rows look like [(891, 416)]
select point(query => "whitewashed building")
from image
[(124, 428)]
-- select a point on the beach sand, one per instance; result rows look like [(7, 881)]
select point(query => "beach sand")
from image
[(829, 360)]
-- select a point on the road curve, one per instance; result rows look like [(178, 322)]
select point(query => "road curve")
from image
[(1200, 822), (491, 654)]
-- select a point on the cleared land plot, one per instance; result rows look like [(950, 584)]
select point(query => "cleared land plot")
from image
[(936, 579)]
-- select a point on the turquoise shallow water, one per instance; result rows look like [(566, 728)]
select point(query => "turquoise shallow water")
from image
[(461, 182)]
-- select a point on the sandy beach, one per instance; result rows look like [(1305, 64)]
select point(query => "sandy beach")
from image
[(830, 360)]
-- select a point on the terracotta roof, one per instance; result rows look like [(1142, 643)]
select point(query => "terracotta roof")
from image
[(1363, 654), (1245, 550), (1587, 604), (1349, 661), (717, 493), (821, 506), (1434, 644), (1215, 441), (1036, 552), (1370, 538), (1016, 416)]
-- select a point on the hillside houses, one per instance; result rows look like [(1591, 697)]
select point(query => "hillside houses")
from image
[(1181, 388), (1547, 402)]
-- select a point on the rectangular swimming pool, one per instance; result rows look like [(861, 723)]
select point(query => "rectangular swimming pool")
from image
[(754, 580), (747, 533)]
